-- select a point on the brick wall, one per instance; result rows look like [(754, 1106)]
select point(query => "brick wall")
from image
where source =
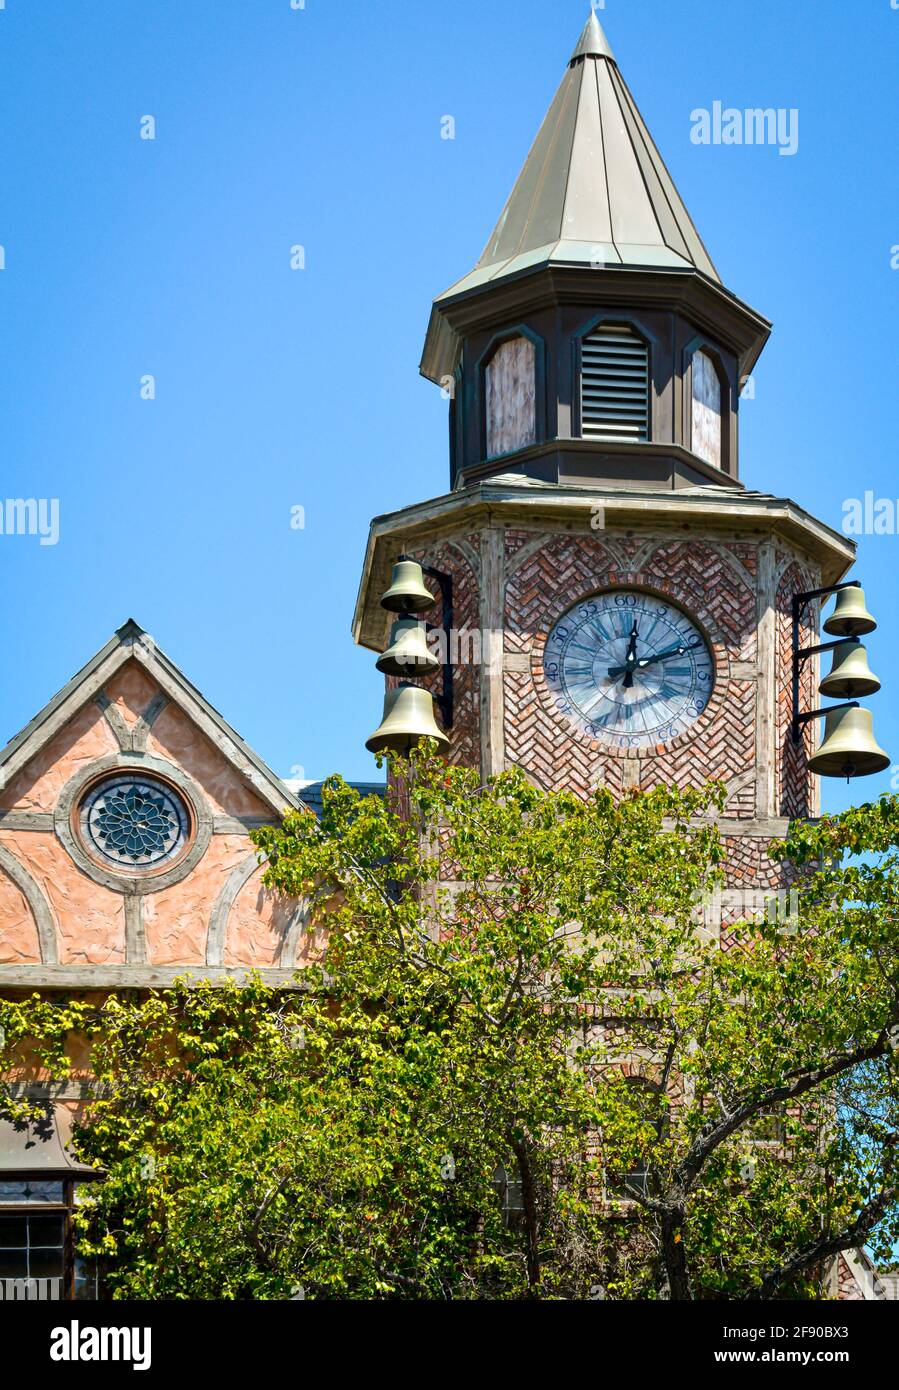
[(722, 582)]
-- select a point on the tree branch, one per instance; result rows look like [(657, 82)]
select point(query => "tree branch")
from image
[(816, 1251), (803, 1081)]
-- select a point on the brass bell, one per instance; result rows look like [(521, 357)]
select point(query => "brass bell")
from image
[(850, 618), (407, 592), (408, 717), (850, 675), (848, 748), (408, 653)]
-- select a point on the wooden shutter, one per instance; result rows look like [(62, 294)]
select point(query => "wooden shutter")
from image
[(706, 439), (511, 382)]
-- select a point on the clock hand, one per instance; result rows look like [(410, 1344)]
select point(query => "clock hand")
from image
[(649, 661), (631, 659), (672, 651)]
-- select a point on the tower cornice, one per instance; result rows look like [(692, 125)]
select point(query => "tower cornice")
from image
[(513, 503)]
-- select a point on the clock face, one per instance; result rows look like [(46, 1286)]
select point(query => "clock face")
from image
[(629, 669)]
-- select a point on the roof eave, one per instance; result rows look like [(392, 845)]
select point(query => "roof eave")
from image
[(454, 313)]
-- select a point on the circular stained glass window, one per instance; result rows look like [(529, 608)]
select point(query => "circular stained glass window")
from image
[(134, 822)]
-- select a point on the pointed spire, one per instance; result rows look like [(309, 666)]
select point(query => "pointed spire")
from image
[(594, 189), (593, 42), (594, 193)]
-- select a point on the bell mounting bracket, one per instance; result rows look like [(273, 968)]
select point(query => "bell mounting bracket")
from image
[(800, 654), (443, 700)]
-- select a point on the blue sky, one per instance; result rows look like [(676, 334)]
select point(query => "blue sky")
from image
[(278, 388)]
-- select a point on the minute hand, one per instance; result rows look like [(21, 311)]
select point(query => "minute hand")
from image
[(650, 660)]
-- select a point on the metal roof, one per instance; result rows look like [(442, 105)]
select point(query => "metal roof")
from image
[(593, 42), (310, 793), (37, 1147), (594, 189)]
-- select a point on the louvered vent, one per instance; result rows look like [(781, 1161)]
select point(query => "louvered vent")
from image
[(614, 385)]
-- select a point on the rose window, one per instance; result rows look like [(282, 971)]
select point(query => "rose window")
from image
[(134, 822)]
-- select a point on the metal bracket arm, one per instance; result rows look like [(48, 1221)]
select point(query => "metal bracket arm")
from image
[(800, 654)]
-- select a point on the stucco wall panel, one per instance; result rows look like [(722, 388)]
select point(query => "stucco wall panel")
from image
[(19, 943), (258, 926), (176, 738), (90, 919), (176, 920), (132, 690), (86, 737)]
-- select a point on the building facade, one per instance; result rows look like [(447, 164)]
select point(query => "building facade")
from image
[(621, 617), (594, 361), (125, 862)]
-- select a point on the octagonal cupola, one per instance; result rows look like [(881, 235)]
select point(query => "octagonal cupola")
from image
[(594, 341)]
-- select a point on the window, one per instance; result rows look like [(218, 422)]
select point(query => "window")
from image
[(706, 437), (615, 385), (510, 387), (31, 1193), (507, 1184), (32, 1251), (624, 1187), (39, 1183), (87, 1280), (132, 822)]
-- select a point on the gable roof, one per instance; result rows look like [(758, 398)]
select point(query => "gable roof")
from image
[(594, 189), (132, 643)]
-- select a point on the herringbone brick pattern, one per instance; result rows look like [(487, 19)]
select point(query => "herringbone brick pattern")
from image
[(748, 556), (564, 569), (724, 749), (697, 574), (545, 748), (750, 865), (717, 581), (700, 577)]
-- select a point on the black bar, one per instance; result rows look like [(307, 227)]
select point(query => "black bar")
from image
[(803, 599), (445, 699), (804, 652)]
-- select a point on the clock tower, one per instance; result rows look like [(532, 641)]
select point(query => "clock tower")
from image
[(622, 604)]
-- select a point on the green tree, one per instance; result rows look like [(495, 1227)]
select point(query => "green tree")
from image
[(548, 1075)]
